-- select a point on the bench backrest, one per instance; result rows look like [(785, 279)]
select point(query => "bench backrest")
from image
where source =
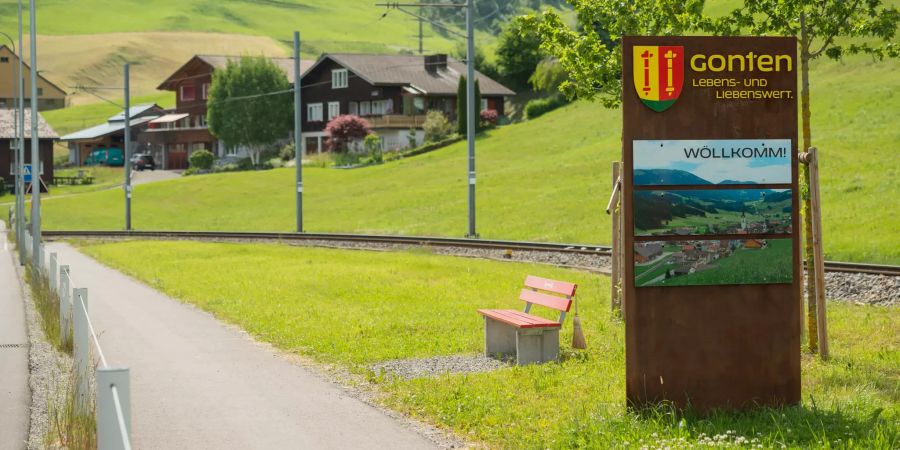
[(538, 292)]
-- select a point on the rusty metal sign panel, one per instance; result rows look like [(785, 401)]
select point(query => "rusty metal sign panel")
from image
[(712, 267)]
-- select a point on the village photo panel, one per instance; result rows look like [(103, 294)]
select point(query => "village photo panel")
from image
[(711, 162), (713, 262), (692, 212)]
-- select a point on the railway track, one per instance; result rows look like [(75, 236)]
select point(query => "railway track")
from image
[(831, 266)]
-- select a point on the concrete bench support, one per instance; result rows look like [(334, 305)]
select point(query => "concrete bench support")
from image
[(527, 345)]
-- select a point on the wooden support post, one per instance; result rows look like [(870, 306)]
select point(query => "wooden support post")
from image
[(818, 249), (615, 286)]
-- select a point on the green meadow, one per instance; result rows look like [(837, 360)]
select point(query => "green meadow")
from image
[(417, 304)]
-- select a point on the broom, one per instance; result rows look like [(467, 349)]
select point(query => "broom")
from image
[(577, 334)]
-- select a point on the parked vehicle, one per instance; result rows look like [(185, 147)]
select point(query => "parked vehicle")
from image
[(143, 161), (105, 157)]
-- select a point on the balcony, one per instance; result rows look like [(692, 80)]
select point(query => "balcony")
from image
[(396, 121)]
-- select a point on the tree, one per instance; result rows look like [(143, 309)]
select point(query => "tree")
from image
[(461, 106), (822, 27), (346, 129), (518, 54), (548, 76), (250, 104), (593, 61), (477, 105)]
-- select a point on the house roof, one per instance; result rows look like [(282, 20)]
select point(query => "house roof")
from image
[(8, 125), (134, 112), (409, 70), (27, 68), (648, 250), (221, 61), (104, 129)]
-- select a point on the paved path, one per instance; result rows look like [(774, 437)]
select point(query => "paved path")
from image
[(15, 398), (198, 384)]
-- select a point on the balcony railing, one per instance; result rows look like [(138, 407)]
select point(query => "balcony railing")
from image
[(396, 121)]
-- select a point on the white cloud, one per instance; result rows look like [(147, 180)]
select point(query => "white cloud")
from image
[(669, 154)]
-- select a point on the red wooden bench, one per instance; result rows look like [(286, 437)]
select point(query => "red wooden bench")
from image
[(530, 338)]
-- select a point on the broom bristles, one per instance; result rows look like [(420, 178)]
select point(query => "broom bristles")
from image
[(577, 334)]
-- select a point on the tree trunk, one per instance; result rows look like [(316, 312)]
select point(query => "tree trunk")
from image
[(812, 325)]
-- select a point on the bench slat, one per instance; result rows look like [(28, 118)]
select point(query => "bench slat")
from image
[(555, 286), (518, 319), (550, 301)]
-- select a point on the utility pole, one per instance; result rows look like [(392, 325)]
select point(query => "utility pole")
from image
[(472, 109), (298, 115), (127, 165), (421, 31), (20, 148), (35, 148)]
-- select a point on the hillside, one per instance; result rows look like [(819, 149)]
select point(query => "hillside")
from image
[(546, 179)]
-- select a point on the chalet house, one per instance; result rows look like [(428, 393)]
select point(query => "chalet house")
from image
[(50, 96), (393, 92), (172, 137), (110, 134), (7, 143)]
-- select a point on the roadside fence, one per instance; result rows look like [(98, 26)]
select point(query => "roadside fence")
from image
[(113, 402), (113, 394)]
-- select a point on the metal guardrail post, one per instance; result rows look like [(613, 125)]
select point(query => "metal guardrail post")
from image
[(82, 351), (65, 306), (54, 287), (113, 409)]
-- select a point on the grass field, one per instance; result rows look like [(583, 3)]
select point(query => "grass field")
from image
[(402, 305)]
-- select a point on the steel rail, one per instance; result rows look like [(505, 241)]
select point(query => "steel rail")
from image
[(830, 266)]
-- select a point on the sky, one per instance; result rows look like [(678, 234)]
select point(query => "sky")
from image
[(670, 154)]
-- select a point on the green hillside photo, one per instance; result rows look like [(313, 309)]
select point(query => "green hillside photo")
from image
[(699, 212)]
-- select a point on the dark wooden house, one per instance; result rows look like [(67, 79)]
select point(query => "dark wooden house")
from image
[(172, 137), (393, 92)]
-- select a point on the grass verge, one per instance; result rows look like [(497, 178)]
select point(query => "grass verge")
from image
[(354, 308)]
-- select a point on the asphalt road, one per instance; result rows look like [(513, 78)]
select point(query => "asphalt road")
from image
[(15, 398), (198, 384)]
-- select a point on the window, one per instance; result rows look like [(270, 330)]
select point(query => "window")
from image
[(339, 78), (419, 105), (365, 108), (484, 104), (334, 109), (205, 91), (354, 108), (187, 93), (40, 91), (314, 112), (4, 59), (380, 107)]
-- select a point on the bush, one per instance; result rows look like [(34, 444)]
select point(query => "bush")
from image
[(287, 152), (489, 117), (202, 160), (436, 126), (541, 106), (345, 158), (373, 148), (345, 129)]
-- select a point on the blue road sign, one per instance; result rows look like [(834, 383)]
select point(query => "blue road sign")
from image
[(26, 174)]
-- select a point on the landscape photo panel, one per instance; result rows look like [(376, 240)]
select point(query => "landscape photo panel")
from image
[(711, 162), (713, 262), (691, 212)]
